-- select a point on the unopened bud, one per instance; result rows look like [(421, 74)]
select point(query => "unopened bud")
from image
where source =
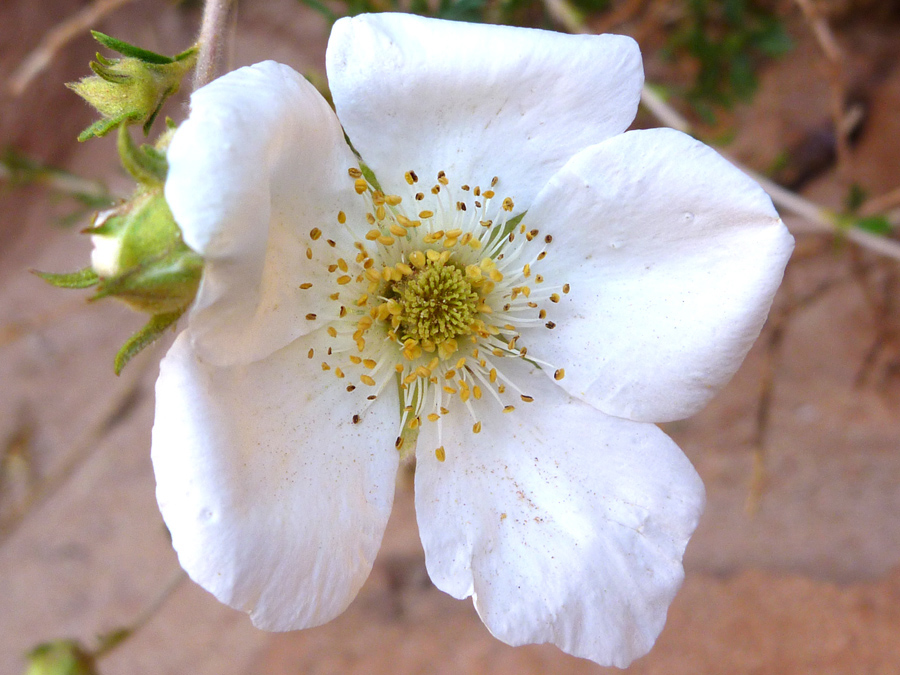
[(130, 90), (62, 657)]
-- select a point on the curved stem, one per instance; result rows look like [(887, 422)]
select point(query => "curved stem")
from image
[(212, 41)]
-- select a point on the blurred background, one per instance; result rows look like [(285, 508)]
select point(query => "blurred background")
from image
[(795, 567)]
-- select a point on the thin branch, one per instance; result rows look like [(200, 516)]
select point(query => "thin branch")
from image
[(835, 72), (57, 38), (212, 41), (119, 637), (880, 204), (621, 14), (822, 218)]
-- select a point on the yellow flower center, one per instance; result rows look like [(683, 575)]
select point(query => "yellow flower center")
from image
[(439, 303)]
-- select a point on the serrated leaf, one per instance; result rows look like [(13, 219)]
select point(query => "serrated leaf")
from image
[(81, 279), (146, 336), (131, 50)]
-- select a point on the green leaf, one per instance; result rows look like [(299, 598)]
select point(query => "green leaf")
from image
[(81, 279), (146, 336), (875, 225), (127, 49)]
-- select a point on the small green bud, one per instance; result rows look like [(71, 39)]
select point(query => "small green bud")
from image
[(140, 258), (139, 255), (62, 657), (130, 90)]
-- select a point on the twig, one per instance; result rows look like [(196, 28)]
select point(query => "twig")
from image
[(55, 39), (881, 204), (212, 41), (119, 637), (621, 14), (835, 71), (822, 218)]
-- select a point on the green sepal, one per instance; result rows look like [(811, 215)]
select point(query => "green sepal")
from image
[(127, 49), (164, 285), (103, 126), (106, 72), (81, 279), (146, 336), (146, 164)]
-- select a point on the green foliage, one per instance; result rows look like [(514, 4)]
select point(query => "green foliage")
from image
[(727, 39)]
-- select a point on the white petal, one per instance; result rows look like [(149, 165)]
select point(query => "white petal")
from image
[(566, 525), (260, 162), (673, 256), (275, 498), (477, 101)]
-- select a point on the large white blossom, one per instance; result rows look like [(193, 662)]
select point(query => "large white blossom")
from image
[(341, 314)]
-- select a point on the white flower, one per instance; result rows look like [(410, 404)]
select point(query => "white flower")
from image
[(332, 315)]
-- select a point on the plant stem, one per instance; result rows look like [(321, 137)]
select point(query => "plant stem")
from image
[(212, 41)]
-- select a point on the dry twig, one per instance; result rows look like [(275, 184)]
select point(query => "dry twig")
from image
[(835, 72), (57, 38)]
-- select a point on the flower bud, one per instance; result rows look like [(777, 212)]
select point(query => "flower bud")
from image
[(140, 258), (62, 657), (130, 90)]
